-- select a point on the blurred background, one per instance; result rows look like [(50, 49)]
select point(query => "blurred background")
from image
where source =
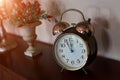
[(103, 13)]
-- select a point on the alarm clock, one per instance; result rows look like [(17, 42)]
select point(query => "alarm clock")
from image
[(75, 47)]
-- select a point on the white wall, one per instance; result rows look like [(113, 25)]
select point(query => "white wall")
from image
[(105, 17)]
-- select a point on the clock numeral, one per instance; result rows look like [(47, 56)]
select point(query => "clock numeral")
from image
[(77, 40), (71, 39), (83, 51), (63, 45), (82, 57), (63, 56), (67, 60), (78, 61), (65, 40), (72, 62), (61, 50), (81, 45)]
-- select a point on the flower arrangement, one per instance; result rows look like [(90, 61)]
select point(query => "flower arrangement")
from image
[(25, 13)]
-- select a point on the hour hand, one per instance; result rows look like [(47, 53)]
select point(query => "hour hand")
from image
[(69, 46)]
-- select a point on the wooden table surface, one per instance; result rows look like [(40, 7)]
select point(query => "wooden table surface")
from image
[(43, 67)]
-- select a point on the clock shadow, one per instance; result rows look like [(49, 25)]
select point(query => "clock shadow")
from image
[(101, 33), (73, 75)]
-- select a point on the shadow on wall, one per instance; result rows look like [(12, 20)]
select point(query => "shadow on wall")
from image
[(101, 26), (101, 22), (107, 29), (54, 8)]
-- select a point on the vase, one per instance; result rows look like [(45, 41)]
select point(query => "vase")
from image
[(28, 33)]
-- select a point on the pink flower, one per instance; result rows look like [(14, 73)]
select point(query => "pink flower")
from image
[(19, 12), (49, 16), (38, 11), (29, 3), (37, 4), (23, 4), (20, 25)]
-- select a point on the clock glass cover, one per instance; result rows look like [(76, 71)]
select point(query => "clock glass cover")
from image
[(71, 51)]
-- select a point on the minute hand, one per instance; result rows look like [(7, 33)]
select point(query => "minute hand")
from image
[(68, 44), (71, 45)]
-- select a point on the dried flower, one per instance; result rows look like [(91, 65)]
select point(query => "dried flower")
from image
[(24, 13), (49, 16), (23, 4), (37, 3), (38, 11)]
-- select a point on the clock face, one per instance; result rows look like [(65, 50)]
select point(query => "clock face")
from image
[(71, 51)]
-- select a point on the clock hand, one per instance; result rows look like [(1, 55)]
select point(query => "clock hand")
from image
[(69, 45)]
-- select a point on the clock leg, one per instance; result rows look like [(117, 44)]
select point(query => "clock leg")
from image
[(62, 70), (84, 71)]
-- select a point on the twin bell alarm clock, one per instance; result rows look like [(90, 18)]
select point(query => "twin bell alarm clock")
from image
[(75, 46)]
